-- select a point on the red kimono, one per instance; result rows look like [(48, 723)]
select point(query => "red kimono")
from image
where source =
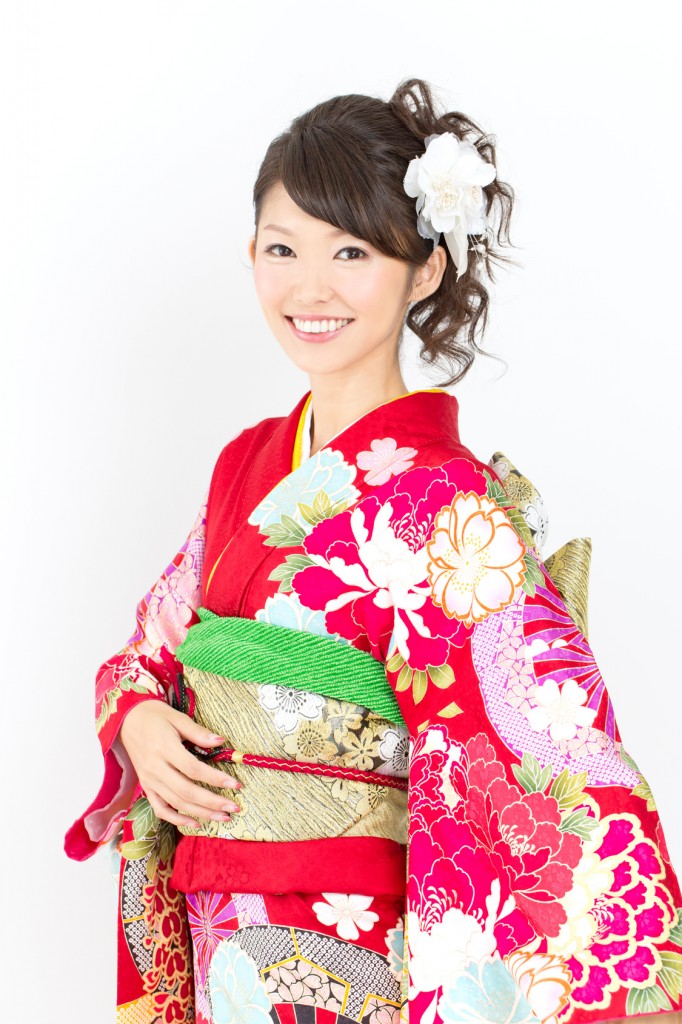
[(538, 886)]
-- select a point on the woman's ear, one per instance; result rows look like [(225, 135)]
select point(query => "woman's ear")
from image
[(252, 249), (429, 275)]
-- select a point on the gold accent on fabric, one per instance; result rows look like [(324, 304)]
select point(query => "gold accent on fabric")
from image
[(298, 440), (295, 725), (139, 1011), (569, 567)]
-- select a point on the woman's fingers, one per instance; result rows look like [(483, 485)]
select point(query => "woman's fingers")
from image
[(192, 731), (194, 768), (153, 734), (181, 792), (164, 811)]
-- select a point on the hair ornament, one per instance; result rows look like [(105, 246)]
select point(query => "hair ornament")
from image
[(447, 181)]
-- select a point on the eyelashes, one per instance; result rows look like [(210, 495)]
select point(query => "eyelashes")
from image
[(347, 248)]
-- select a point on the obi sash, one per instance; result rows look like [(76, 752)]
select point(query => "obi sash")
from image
[(314, 733)]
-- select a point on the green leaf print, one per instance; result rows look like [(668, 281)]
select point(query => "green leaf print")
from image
[(395, 662), (676, 930), (530, 775), (321, 508), (567, 789), (518, 521), (287, 533), (153, 839), (579, 823), (441, 676), (496, 492), (136, 849), (670, 973), (533, 574), (646, 1000), (644, 790), (420, 682), (287, 569), (145, 821)]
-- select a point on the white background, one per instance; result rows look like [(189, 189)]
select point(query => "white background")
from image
[(134, 348)]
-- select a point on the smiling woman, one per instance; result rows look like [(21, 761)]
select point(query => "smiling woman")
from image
[(321, 275), (360, 760)]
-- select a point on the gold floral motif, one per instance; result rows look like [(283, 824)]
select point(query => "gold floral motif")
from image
[(311, 742), (362, 750)]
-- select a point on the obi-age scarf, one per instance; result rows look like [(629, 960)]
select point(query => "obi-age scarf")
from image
[(538, 887)]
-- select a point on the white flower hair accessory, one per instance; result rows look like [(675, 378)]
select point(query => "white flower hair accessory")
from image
[(447, 182)]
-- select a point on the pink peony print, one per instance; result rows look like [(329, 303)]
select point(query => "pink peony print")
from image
[(475, 558), (620, 912), (449, 869), (520, 832), (384, 460)]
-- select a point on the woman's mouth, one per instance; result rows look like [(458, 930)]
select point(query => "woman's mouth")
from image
[(318, 330)]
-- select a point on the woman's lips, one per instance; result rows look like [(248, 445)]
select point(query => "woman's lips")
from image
[(321, 336)]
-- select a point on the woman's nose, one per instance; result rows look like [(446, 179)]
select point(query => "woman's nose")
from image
[(311, 285)]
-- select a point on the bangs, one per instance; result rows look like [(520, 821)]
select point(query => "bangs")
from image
[(325, 171)]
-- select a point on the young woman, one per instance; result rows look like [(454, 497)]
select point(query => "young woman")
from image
[(361, 605)]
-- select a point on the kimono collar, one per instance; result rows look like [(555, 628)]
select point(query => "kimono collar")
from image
[(427, 414)]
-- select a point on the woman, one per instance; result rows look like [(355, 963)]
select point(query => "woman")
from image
[(361, 603)]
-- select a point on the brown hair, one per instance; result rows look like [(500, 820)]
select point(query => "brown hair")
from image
[(343, 162)]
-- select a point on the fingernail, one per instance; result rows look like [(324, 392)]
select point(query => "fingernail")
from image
[(220, 817), (231, 807), (214, 738)]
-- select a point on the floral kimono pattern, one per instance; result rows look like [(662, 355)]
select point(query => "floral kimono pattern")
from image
[(539, 886)]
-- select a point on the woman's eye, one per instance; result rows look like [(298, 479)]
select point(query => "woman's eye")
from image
[(278, 245), (353, 248)]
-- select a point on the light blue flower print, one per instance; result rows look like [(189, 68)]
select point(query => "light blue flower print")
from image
[(395, 943), (485, 993), (238, 995), (325, 471), (287, 610)]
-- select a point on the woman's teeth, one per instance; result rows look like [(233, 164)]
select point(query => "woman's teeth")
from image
[(318, 326)]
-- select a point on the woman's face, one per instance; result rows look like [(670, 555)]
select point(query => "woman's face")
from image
[(306, 268)]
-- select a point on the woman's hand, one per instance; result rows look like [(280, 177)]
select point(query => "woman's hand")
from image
[(152, 733)]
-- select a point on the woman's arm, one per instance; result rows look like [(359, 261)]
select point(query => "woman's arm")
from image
[(144, 669)]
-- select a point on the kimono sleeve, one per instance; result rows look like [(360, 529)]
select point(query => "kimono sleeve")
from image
[(144, 669), (539, 887)]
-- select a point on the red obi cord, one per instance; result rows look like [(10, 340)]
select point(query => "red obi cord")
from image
[(310, 768)]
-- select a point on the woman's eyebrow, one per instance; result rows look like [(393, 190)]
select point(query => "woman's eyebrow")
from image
[(333, 233)]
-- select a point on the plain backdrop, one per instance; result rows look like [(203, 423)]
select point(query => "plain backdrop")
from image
[(133, 349)]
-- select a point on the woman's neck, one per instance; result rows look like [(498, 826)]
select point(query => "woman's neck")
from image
[(338, 403)]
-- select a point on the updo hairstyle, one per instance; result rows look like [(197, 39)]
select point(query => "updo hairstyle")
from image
[(344, 161)]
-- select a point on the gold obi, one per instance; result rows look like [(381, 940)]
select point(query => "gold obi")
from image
[(352, 763)]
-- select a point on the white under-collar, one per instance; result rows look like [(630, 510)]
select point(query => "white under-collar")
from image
[(306, 441)]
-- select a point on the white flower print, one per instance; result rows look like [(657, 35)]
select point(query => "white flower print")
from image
[(348, 912), (395, 749), (560, 710), (388, 570), (289, 705)]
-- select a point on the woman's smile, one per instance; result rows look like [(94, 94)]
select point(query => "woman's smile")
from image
[(317, 330)]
